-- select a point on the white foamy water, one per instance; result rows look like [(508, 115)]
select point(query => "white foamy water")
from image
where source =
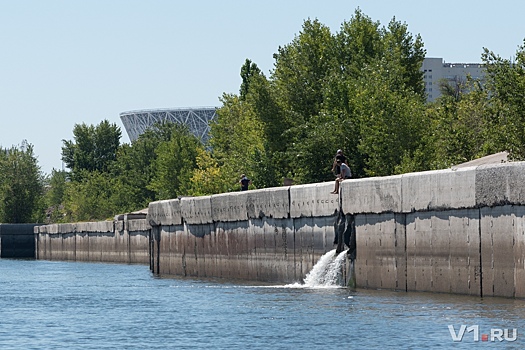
[(326, 273)]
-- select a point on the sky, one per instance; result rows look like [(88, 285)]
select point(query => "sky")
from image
[(68, 62)]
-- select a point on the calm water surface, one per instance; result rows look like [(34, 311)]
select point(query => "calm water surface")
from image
[(72, 305)]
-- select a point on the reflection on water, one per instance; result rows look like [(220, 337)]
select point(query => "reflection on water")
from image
[(53, 305)]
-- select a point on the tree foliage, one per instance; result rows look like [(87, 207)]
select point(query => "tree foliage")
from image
[(174, 164), (21, 185), (359, 89), (94, 148)]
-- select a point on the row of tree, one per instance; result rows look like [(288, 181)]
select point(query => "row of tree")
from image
[(360, 90)]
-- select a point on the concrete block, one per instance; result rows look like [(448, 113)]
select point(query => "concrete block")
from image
[(465, 256), (438, 190), (95, 245), (66, 228), (324, 234), (163, 245), (165, 212), (68, 245), (264, 252), (270, 203), (273, 258), (138, 225), (313, 200), (196, 210), (122, 245), (380, 260), (519, 252), (119, 225), (190, 257), (43, 246), (104, 226), (56, 246), (284, 249), (207, 252), (238, 248), (51, 229), (371, 195), (93, 226), (498, 225), (138, 247), (82, 244), (251, 264), (173, 258), (440, 251), (229, 207), (304, 245), (500, 184), (419, 251)]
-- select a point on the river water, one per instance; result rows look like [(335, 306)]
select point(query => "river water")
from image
[(74, 305)]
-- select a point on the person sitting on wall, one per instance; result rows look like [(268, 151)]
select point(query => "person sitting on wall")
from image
[(245, 182), (344, 174), (336, 169)]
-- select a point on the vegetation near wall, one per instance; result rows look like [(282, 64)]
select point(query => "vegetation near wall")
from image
[(359, 89)]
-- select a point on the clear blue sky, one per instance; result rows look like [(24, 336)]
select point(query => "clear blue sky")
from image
[(67, 62)]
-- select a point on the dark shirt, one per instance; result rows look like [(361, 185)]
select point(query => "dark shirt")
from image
[(343, 160), (245, 182)]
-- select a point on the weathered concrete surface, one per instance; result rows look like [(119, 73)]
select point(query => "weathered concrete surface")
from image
[(372, 195), (137, 233), (270, 203), (196, 210), (500, 250), (457, 230), (105, 241), (438, 190), (229, 207), (500, 184), (381, 258), (166, 212), (443, 252), (313, 200)]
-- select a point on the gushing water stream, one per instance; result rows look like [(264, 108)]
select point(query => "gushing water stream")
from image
[(326, 273)]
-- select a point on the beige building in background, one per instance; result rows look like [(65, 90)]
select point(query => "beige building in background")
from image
[(435, 69)]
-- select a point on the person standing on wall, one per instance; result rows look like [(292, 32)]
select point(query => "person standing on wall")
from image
[(245, 182), (344, 174)]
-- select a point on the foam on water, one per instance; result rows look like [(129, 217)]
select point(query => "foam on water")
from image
[(326, 273)]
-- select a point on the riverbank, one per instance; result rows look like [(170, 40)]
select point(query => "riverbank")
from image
[(458, 231)]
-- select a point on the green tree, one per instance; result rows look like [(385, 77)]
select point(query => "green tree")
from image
[(134, 169), (372, 102), (21, 185), (175, 162), (55, 195), (90, 198), (94, 148), (301, 69), (248, 70), (390, 121), (505, 81), (207, 177), (236, 135)]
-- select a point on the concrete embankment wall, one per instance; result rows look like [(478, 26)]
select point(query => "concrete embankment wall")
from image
[(276, 234), (17, 241), (120, 241), (452, 231)]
